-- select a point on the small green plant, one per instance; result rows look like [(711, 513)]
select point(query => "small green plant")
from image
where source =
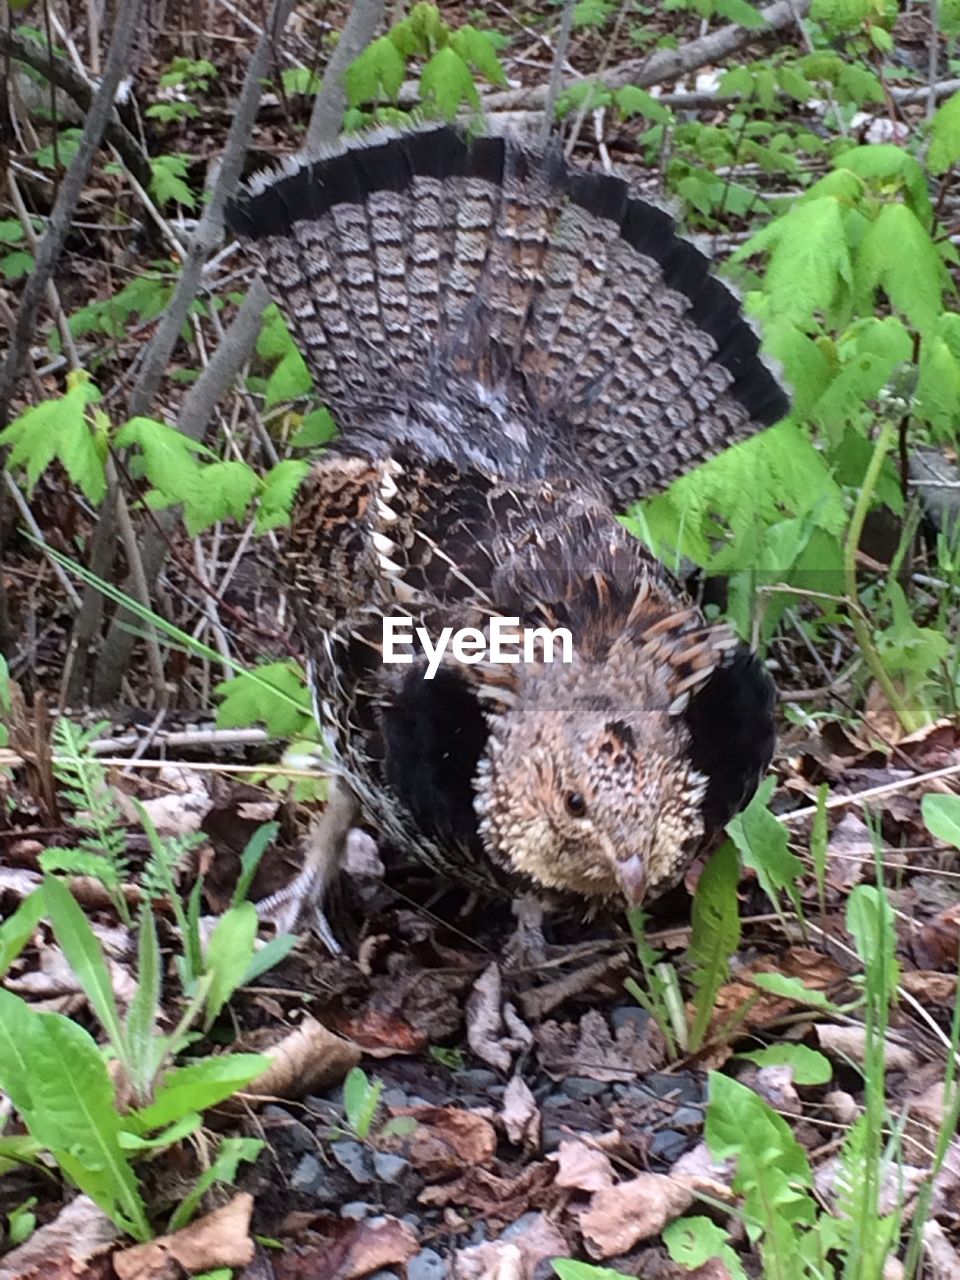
[(56, 1075), (184, 78), (15, 259), (361, 1102), (21, 1222)]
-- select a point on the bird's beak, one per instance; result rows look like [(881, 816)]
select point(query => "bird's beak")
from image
[(632, 873)]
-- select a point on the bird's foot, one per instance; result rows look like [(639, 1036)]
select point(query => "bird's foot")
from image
[(298, 907)]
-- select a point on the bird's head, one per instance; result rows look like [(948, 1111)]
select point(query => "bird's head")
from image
[(591, 802)]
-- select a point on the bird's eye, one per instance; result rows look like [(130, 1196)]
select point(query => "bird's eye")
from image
[(576, 805)]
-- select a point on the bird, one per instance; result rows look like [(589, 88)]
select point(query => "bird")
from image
[(516, 349)]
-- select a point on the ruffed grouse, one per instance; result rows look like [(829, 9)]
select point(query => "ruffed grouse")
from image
[(515, 351)]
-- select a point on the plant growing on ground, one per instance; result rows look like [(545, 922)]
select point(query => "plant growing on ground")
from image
[(56, 1075)]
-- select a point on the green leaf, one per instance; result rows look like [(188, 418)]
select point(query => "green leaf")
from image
[(85, 957), (941, 815), (145, 1047), (378, 71), (445, 81), (198, 1087), (840, 15), (19, 1031), (223, 1169), (274, 694), (715, 936), (743, 14), (870, 922), (167, 182), (17, 930), (58, 429), (898, 255), (316, 428), (938, 385), (808, 1066), (15, 265), (779, 984), (945, 136), (361, 1097), (695, 1241), (75, 1116), (477, 50), (268, 956), (228, 956), (290, 379), (568, 1269), (762, 842), (279, 488), (633, 101)]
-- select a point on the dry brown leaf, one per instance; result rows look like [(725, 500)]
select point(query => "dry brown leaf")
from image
[(515, 1259), (520, 1114), (849, 849), (503, 1198), (620, 1217), (930, 988), (774, 1085), (582, 1168), (218, 1239), (851, 1042), (495, 1031), (387, 1243), (66, 1246), (936, 945), (348, 1249), (447, 1139), (307, 1059), (590, 1049)]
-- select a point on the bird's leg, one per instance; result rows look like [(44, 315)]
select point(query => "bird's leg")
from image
[(301, 902), (527, 948)]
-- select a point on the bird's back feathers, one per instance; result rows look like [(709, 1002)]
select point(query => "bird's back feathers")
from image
[(483, 303)]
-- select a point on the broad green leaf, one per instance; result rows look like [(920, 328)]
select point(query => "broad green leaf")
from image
[(633, 101), (17, 930), (870, 922), (696, 1240), (280, 486), (58, 429), (228, 955), (361, 1097), (274, 694), (446, 82), (568, 1269), (938, 385), (20, 1033), (898, 255), (377, 73), (268, 957), (762, 842), (945, 136), (83, 953), (780, 984), (316, 428), (807, 1065), (941, 814), (477, 50), (198, 1087), (289, 380)]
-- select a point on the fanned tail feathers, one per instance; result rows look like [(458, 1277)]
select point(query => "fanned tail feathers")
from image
[(431, 267)]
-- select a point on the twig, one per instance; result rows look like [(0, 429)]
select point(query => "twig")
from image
[(556, 73), (26, 515), (59, 72), (160, 348), (68, 197), (326, 118), (671, 64), (860, 797)]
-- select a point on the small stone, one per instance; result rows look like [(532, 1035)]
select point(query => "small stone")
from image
[(393, 1096), (630, 1016), (426, 1265), (356, 1209), (522, 1224), (388, 1167), (384, 1275), (580, 1088), (292, 1133), (477, 1078), (687, 1118), (308, 1175), (668, 1146), (355, 1158), (552, 1136)]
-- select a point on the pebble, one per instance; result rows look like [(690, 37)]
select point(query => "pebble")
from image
[(630, 1016), (477, 1078), (522, 1224), (668, 1145), (308, 1175), (355, 1158), (393, 1096), (426, 1265), (687, 1118), (580, 1088), (388, 1167), (384, 1275), (293, 1133), (356, 1209)]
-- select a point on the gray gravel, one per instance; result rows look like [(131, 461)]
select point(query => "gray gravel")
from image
[(426, 1265)]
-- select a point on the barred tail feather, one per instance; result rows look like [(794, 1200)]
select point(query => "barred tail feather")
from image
[(405, 262)]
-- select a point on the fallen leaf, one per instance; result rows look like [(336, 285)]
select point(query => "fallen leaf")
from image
[(590, 1049), (307, 1059), (582, 1168), (495, 1196), (849, 849), (520, 1114), (513, 1259), (936, 945), (930, 988), (218, 1239), (349, 1250), (68, 1245), (620, 1217), (851, 1042), (447, 1139), (495, 1031)]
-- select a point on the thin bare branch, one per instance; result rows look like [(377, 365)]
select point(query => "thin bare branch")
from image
[(326, 119)]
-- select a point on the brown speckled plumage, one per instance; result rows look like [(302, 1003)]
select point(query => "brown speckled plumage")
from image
[(514, 351)]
